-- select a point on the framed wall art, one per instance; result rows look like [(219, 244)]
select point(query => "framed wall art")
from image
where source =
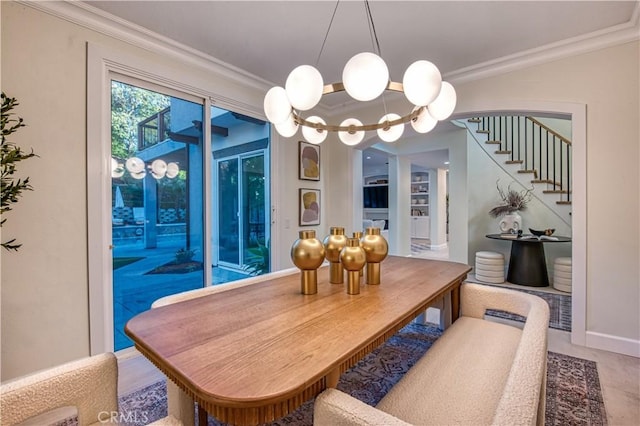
[(309, 207), (308, 161)]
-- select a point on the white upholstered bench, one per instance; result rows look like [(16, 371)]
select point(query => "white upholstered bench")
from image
[(478, 372)]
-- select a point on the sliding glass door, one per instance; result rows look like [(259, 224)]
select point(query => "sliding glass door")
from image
[(159, 195)]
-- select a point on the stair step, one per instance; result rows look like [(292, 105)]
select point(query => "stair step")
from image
[(555, 191), (514, 162), (546, 181), (474, 120), (564, 203), (535, 172), (493, 142), (483, 131), (502, 152)]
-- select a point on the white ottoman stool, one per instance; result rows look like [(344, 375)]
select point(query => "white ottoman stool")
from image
[(489, 267), (562, 274)]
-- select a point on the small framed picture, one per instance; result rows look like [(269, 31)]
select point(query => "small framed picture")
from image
[(308, 161), (309, 207)]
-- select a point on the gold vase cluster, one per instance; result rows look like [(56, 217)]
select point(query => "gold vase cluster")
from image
[(343, 253)]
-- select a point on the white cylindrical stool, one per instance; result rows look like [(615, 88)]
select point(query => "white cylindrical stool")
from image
[(562, 274), (489, 267)]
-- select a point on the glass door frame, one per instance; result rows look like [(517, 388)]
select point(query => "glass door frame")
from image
[(103, 65), (157, 75), (216, 203)]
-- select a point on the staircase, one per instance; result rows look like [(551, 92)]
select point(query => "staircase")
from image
[(532, 153)]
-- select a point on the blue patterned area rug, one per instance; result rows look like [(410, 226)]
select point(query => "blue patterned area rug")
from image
[(559, 308), (573, 388)]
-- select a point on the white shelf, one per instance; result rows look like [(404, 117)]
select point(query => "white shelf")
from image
[(419, 189)]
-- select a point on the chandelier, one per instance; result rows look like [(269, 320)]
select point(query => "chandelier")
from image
[(365, 77)]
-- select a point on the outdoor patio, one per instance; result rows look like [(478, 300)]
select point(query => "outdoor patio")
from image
[(135, 289)]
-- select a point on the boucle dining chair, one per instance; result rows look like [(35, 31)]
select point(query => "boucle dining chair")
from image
[(89, 385)]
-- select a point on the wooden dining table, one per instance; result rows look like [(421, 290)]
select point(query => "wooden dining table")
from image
[(253, 354)]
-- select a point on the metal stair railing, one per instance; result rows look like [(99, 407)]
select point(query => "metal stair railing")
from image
[(539, 150)]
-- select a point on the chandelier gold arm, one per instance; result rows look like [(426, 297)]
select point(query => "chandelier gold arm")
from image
[(339, 87)]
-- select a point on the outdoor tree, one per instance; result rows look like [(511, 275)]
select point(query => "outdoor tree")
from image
[(12, 154), (129, 106)]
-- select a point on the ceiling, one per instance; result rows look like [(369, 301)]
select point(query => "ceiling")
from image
[(268, 39)]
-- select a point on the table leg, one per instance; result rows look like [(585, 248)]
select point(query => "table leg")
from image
[(527, 265), (202, 416), (455, 303), (332, 378)]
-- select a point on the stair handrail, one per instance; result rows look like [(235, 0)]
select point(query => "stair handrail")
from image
[(504, 169), (550, 130)]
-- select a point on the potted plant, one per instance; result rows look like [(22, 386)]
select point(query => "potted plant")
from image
[(257, 262), (513, 202), (12, 187)]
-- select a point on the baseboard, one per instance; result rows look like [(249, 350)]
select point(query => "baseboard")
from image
[(617, 344)]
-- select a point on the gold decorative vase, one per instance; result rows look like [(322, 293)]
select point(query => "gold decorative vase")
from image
[(307, 254), (353, 260), (358, 235), (333, 245), (376, 249)]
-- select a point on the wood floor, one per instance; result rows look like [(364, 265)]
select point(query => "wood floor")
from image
[(619, 376)]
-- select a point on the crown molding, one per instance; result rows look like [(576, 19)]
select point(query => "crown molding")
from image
[(94, 19), (102, 22), (607, 37)]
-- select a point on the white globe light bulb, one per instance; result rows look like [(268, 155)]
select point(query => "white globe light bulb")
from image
[(134, 165), (354, 137), (172, 170), (276, 105), (139, 175), (365, 76), (304, 87), (117, 169), (287, 128), (158, 169), (424, 122), (313, 135), (442, 107), (392, 133), (421, 82)]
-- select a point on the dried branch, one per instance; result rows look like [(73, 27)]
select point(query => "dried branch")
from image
[(512, 200)]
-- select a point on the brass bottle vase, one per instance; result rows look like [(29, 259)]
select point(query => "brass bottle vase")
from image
[(375, 249), (307, 253), (353, 260), (333, 245)]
